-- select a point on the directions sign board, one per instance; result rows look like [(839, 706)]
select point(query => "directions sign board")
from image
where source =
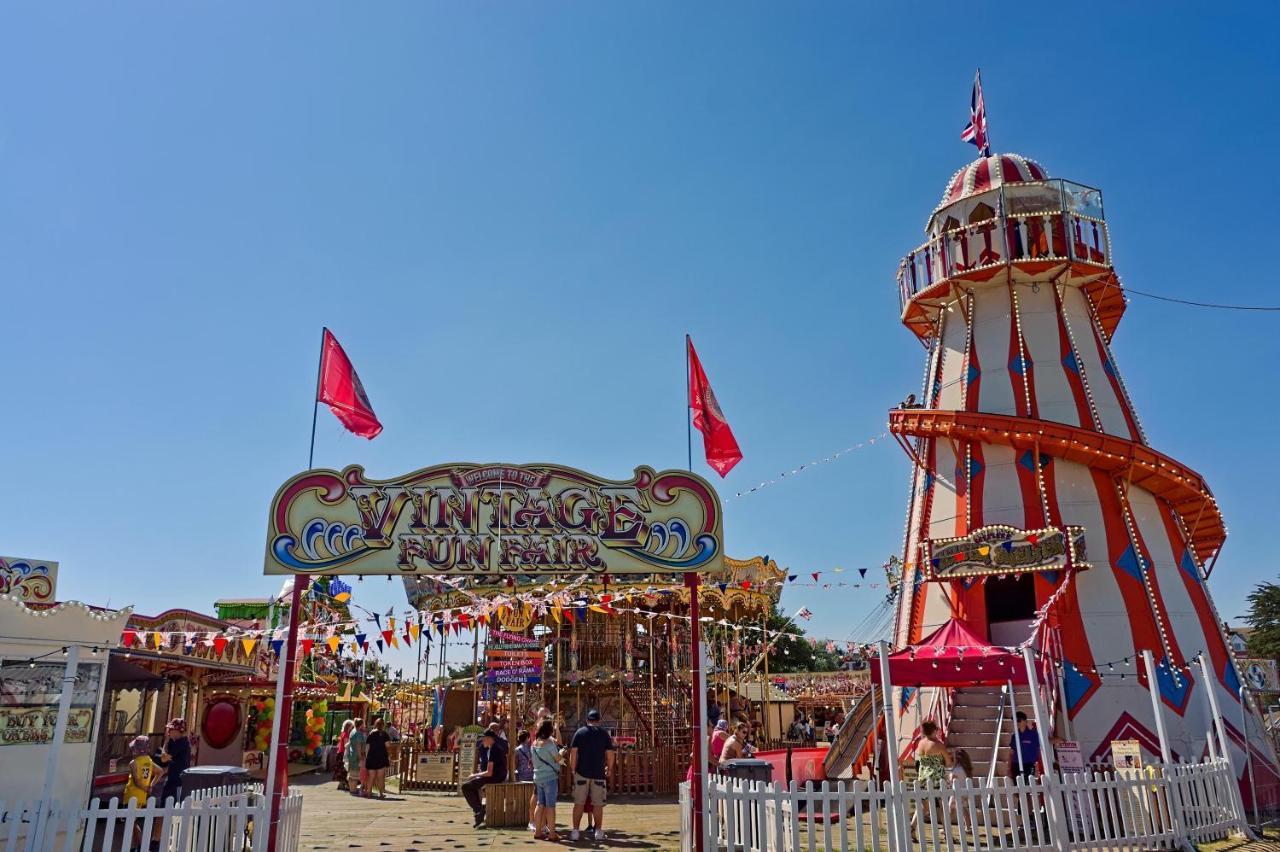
[(494, 519)]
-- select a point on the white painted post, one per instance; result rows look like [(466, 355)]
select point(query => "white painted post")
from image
[(55, 744), (1209, 688), (700, 731), (890, 729), (1166, 755), (1057, 826), (895, 801), (1154, 688)]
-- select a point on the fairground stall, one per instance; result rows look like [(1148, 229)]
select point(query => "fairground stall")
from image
[(169, 666), (621, 648)]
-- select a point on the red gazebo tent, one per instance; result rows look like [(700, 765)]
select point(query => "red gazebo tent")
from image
[(953, 655)]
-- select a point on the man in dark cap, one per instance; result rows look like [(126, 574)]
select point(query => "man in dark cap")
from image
[(494, 771)]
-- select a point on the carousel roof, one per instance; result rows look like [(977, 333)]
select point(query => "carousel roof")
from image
[(987, 173)]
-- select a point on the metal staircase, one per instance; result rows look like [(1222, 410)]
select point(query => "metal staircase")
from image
[(977, 712)]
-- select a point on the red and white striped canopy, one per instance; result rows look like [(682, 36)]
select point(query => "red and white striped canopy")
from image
[(991, 172)]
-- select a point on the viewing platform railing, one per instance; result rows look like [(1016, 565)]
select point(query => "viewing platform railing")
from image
[(1075, 232)]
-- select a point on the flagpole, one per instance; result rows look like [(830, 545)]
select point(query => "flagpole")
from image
[(986, 130), (315, 402), (688, 391)]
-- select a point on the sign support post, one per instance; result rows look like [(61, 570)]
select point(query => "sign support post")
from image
[(69, 673), (697, 789), (278, 764)]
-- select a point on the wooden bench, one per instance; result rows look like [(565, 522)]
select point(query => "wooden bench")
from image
[(507, 804)]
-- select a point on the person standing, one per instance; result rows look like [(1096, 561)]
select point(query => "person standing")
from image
[(591, 759), (176, 758), (356, 781), (546, 780), (716, 747), (932, 761), (377, 759), (494, 772), (1024, 749), (340, 768)]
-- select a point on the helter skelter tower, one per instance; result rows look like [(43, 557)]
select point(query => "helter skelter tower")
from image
[(1024, 432)]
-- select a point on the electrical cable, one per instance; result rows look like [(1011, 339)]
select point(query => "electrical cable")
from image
[(1216, 305)]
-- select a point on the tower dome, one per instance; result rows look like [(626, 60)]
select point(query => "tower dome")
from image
[(988, 173)]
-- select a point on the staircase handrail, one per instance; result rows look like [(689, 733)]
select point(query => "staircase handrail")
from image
[(995, 748)]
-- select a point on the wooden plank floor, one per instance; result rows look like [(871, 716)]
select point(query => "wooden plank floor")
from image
[(440, 822)]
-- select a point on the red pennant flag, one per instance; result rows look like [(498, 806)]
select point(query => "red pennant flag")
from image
[(386, 635), (127, 638), (306, 646), (718, 443), (219, 643), (341, 390)]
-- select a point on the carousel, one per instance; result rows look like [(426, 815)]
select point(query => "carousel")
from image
[(620, 648)]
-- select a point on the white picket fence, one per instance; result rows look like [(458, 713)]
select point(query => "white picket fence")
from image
[(1142, 809), (215, 820)]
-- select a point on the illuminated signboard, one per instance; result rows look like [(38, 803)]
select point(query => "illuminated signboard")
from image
[(1006, 550), (494, 519)]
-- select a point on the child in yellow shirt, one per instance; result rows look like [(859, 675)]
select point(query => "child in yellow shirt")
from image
[(143, 771)]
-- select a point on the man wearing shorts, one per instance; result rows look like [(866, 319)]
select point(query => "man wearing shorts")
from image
[(591, 761)]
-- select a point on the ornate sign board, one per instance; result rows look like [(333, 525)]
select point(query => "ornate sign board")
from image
[(35, 725), (30, 580), (1006, 550), (494, 519)]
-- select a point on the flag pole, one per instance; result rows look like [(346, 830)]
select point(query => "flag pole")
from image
[(315, 401), (688, 391), (987, 125)]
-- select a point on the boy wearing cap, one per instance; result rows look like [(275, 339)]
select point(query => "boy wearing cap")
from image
[(591, 760)]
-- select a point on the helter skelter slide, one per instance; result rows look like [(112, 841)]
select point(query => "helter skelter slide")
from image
[(1038, 510)]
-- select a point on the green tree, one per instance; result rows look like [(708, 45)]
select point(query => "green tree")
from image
[(794, 652), (460, 672), (1264, 618)]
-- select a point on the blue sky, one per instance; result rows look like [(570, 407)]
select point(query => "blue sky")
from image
[(510, 214)]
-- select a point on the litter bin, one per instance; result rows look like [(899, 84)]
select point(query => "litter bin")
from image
[(225, 828), (208, 777), (748, 769), (743, 821)]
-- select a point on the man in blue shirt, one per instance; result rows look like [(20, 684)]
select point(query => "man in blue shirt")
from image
[(591, 759), (1024, 749)]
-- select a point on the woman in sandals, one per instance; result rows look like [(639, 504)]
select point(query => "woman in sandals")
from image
[(546, 780)]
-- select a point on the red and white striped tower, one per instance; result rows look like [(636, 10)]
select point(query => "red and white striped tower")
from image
[(1024, 421)]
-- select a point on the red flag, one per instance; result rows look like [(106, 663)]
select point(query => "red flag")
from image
[(340, 389), (717, 438)]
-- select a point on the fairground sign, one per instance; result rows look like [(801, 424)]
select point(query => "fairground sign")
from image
[(1006, 550), (494, 519)]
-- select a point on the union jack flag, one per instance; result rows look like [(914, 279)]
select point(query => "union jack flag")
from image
[(804, 613), (976, 130)]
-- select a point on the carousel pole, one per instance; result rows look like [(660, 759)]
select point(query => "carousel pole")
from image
[(737, 665), (559, 652), (475, 666), (653, 692), (764, 688)]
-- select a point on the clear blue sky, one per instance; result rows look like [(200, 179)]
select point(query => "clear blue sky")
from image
[(510, 214)]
